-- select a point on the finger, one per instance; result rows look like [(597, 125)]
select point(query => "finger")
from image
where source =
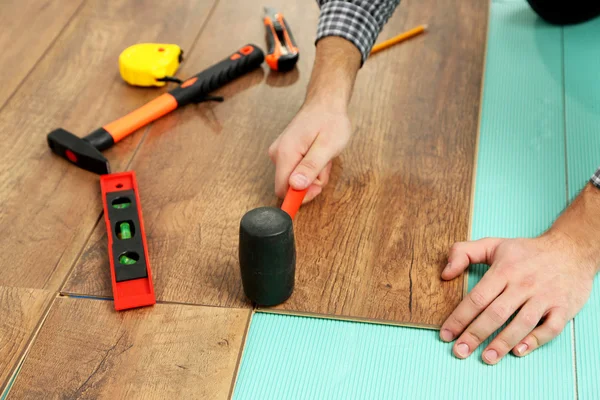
[(323, 178), (464, 253), (524, 322), (318, 156), (552, 326), (312, 192), (477, 300), (490, 320), (273, 150), (285, 163)]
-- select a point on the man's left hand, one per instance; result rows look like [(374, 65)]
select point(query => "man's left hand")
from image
[(545, 281)]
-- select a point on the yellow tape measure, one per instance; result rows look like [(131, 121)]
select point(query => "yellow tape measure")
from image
[(144, 64)]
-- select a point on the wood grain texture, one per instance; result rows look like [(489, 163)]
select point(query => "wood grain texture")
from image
[(20, 312), (87, 350), (373, 244), (50, 207), (23, 46)]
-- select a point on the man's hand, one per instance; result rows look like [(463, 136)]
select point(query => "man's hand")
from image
[(545, 281), (302, 154)]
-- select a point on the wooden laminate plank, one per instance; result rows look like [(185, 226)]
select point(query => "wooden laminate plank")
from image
[(23, 46), (85, 349), (50, 207), (373, 244), (20, 311)]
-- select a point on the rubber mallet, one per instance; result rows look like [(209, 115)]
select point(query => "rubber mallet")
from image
[(267, 251)]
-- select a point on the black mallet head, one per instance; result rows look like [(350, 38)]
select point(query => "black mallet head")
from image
[(83, 152), (267, 251), (267, 255)]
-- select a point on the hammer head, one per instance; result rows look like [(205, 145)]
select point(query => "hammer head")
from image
[(267, 255), (77, 150)]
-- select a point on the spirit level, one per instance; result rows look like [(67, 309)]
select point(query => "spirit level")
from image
[(127, 249)]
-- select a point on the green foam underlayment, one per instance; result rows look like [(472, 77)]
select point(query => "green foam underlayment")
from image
[(582, 98), (289, 357), (520, 189)]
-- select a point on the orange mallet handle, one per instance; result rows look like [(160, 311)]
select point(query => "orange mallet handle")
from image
[(293, 201)]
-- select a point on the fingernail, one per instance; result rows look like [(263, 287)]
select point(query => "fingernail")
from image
[(446, 335), (448, 267), (462, 350), (522, 348), (299, 181), (491, 355)]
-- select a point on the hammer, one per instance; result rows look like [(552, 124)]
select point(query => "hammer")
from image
[(267, 251), (86, 152)]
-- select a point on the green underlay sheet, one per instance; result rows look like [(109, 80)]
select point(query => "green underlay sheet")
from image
[(582, 94), (520, 189), (290, 357)]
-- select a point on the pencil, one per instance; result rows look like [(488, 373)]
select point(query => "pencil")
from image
[(397, 39)]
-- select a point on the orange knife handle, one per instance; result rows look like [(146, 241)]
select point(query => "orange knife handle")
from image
[(292, 201)]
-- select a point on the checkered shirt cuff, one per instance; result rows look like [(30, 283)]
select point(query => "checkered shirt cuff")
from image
[(358, 21), (595, 179)]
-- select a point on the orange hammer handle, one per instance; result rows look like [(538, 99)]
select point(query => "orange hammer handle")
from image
[(293, 201), (149, 112)]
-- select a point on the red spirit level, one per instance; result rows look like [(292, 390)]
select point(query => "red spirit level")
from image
[(127, 250)]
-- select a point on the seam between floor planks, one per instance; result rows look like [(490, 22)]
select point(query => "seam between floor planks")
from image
[(42, 55), (241, 354), (345, 318), (476, 150), (17, 368)]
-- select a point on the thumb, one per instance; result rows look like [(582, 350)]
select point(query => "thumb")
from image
[(463, 254), (312, 164)]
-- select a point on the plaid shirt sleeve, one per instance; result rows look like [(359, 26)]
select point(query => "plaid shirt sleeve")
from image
[(595, 179), (358, 21)]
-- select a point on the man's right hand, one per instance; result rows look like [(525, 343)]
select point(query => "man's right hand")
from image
[(303, 153)]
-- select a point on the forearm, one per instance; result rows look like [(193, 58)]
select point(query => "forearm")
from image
[(336, 65), (580, 224), (358, 21), (346, 33)]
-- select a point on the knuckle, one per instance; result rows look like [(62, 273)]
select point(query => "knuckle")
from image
[(530, 319), (455, 247), (476, 299), (527, 282), (536, 340), (309, 164), (505, 270), (555, 326), (498, 313), (474, 336), (503, 343), (456, 321)]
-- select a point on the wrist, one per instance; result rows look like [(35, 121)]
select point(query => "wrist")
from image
[(579, 226), (336, 65)]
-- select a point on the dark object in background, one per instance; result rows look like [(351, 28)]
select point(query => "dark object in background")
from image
[(563, 12)]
